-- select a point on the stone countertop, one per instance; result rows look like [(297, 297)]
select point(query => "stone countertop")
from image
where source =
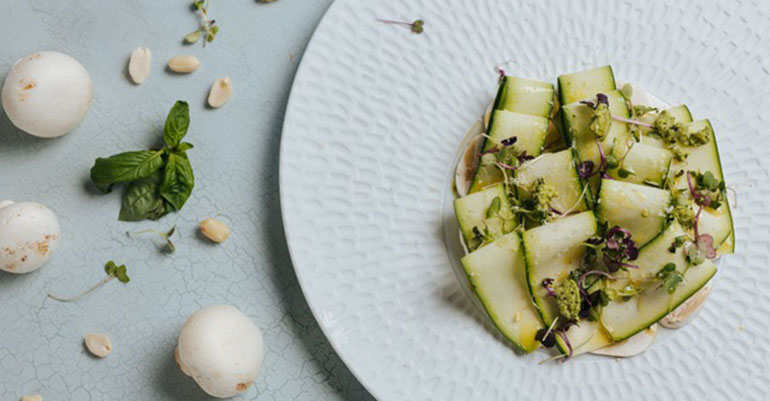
[(235, 163)]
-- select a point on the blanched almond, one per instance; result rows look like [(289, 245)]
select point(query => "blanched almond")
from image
[(184, 64), (214, 230), (98, 344), (220, 92), (32, 398), (139, 65)]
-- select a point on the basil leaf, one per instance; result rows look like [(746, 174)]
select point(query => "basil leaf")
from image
[(123, 167), (142, 200), (177, 122), (178, 180), (184, 147)]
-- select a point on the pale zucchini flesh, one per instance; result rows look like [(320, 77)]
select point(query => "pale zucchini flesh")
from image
[(585, 84), (647, 164), (700, 159), (557, 169), (552, 251), (497, 273), (530, 132), (526, 96), (622, 319), (638, 208), (471, 211)]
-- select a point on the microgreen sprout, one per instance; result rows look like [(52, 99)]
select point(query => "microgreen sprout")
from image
[(586, 168), (670, 278), (113, 272), (547, 284), (629, 121), (169, 246), (415, 27), (500, 70), (208, 28)]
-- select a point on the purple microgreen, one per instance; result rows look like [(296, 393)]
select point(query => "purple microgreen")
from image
[(563, 334), (507, 166), (586, 169), (695, 223), (546, 283), (524, 157), (588, 103), (705, 242), (500, 70), (491, 150), (601, 98), (582, 278), (603, 163), (555, 211), (509, 141)]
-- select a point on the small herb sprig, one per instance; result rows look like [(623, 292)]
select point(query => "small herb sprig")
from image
[(669, 277), (208, 30), (159, 181), (113, 271), (416, 26), (168, 247)]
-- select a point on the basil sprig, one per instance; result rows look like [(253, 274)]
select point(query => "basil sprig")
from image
[(159, 181)]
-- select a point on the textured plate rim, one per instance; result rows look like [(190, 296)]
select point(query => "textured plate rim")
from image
[(301, 70)]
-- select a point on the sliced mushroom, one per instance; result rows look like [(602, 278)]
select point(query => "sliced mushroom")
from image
[(466, 167), (488, 114), (685, 312), (631, 346)]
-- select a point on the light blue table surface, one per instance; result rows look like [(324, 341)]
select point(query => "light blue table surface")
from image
[(235, 162)]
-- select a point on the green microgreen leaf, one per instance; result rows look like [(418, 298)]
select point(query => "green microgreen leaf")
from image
[(193, 36), (113, 271), (494, 208), (166, 236), (672, 281)]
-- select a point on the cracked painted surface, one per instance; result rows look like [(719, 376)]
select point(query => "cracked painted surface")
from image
[(235, 161)]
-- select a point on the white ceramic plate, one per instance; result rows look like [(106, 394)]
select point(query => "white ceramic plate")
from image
[(370, 137)]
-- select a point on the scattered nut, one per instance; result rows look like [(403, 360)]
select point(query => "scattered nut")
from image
[(220, 92), (184, 64), (139, 65), (98, 344), (32, 398), (214, 230)]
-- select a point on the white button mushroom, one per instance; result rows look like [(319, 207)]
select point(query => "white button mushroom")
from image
[(29, 235), (47, 94), (221, 348)]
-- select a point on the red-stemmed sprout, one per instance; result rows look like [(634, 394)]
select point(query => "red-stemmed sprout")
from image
[(546, 283), (582, 279), (704, 242)]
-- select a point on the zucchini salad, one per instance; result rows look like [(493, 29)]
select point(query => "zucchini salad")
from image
[(590, 215)]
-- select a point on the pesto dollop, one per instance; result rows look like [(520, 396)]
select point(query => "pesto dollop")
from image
[(600, 122), (676, 134), (542, 195), (568, 298)]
